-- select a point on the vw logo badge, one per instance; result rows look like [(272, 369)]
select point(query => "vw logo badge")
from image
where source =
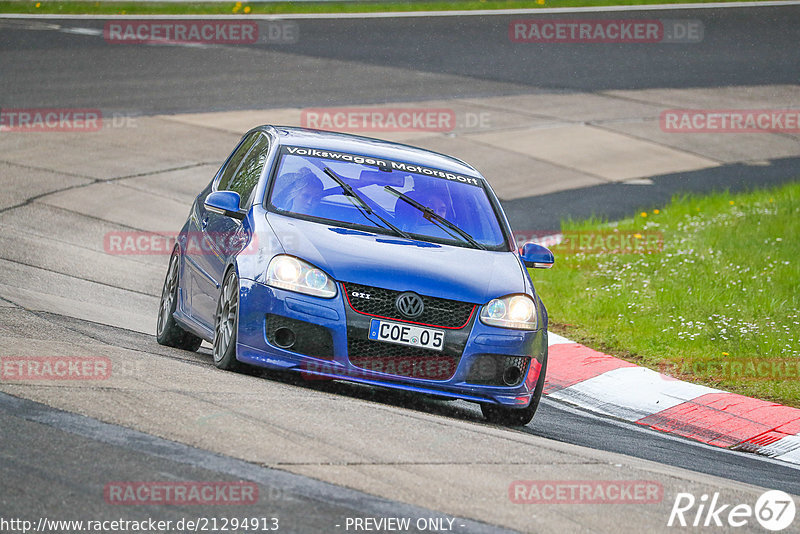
[(410, 305)]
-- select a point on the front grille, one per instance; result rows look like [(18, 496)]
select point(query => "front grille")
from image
[(399, 360), (381, 302)]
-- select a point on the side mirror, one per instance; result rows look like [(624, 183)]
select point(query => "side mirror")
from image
[(225, 203), (537, 256)]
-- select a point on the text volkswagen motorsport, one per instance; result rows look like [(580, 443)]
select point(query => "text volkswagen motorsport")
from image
[(347, 257)]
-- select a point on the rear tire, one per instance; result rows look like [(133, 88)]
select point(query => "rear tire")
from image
[(226, 324), (168, 331), (516, 416)]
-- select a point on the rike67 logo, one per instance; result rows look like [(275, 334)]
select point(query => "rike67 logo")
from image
[(774, 510)]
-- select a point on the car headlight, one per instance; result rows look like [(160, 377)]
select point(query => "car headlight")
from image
[(513, 311), (288, 272)]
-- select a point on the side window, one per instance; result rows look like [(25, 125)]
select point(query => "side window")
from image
[(235, 161), (246, 177)]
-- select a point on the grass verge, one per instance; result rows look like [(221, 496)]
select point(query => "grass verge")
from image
[(244, 8), (712, 297)]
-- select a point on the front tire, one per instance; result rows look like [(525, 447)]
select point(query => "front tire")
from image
[(168, 331), (516, 416), (226, 324)]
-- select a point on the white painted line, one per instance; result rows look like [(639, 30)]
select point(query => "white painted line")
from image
[(791, 456), (555, 339), (786, 449), (82, 31), (410, 14), (631, 393)]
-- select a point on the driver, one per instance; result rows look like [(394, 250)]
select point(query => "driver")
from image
[(411, 219), (302, 192), (437, 205)]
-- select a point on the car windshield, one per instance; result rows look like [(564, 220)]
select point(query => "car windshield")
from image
[(303, 187)]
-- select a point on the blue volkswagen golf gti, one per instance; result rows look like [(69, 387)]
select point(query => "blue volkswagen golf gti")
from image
[(345, 257)]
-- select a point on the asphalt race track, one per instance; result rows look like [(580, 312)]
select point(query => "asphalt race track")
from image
[(366, 60), (321, 453)]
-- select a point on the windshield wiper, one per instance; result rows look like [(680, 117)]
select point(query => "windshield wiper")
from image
[(359, 202), (430, 214)]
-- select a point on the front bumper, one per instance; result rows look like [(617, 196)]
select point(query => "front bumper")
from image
[(329, 340)]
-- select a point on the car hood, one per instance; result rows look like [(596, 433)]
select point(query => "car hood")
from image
[(399, 264)]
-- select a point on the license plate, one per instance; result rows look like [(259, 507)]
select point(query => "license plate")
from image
[(406, 334)]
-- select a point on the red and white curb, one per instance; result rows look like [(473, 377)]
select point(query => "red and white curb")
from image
[(607, 385)]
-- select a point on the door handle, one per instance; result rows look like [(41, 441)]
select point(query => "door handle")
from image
[(204, 223)]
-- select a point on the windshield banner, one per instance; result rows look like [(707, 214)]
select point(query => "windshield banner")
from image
[(382, 163)]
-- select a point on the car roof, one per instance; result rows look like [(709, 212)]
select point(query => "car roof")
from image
[(367, 146)]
